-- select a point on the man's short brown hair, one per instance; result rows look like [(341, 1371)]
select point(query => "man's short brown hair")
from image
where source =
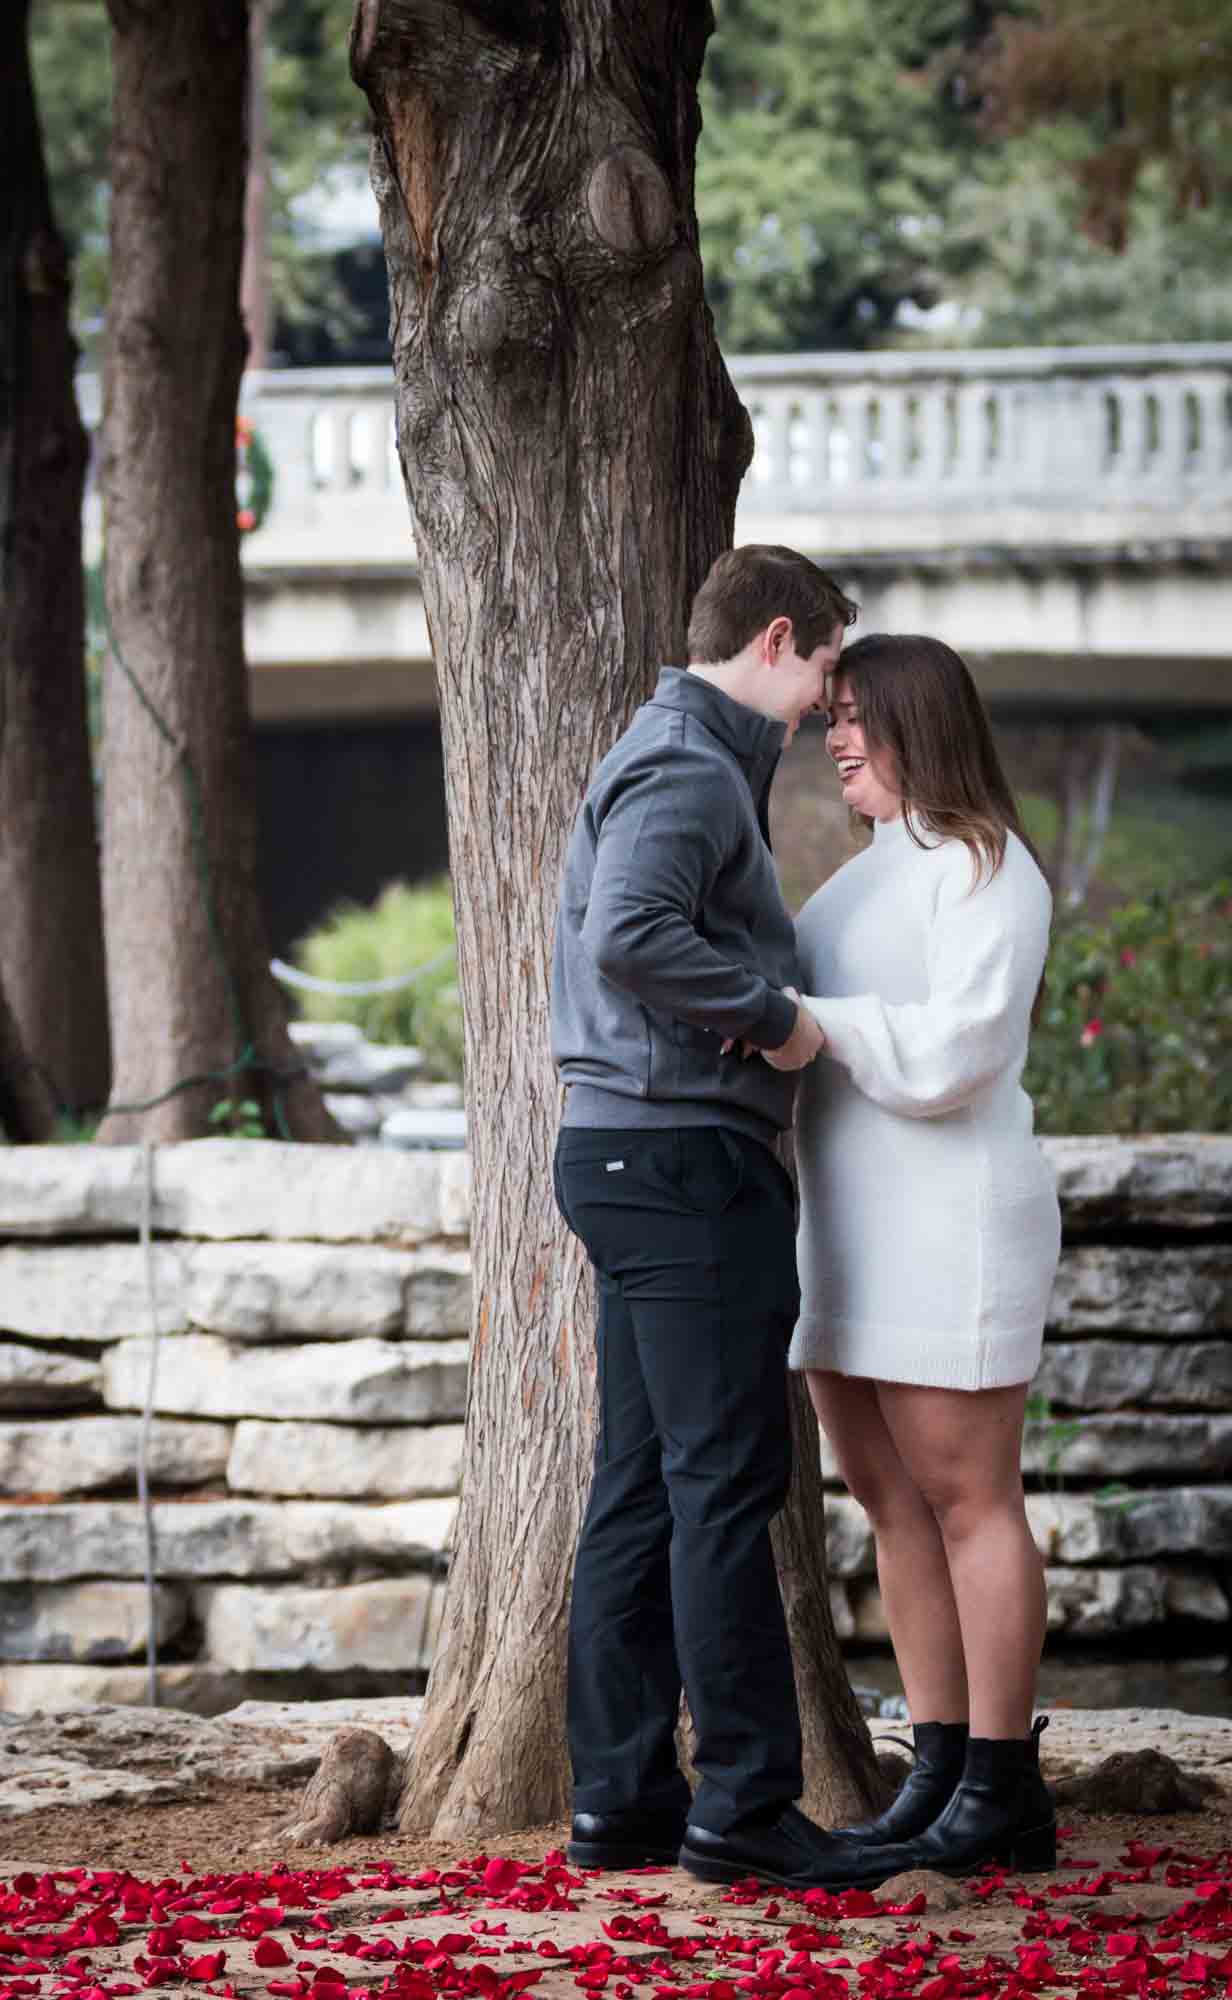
[(748, 587)]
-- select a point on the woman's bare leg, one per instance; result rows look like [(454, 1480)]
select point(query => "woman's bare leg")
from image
[(911, 1557), (961, 1451)]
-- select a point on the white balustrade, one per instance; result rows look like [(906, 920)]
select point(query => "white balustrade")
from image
[(879, 450)]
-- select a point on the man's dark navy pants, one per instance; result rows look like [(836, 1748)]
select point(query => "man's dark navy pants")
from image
[(692, 1236)]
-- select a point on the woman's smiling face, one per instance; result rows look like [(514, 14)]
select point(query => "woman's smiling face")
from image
[(868, 777)]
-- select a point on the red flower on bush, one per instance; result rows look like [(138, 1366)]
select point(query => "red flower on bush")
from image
[(1091, 1033)]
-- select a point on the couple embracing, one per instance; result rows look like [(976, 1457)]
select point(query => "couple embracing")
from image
[(687, 1012)]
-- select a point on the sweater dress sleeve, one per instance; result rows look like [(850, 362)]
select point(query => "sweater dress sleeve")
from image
[(985, 952)]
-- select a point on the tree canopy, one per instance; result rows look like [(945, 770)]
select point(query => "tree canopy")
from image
[(869, 171)]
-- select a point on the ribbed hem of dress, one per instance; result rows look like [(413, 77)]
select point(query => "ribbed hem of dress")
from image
[(902, 1354)]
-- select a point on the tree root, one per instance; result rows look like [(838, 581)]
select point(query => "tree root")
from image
[(354, 1789)]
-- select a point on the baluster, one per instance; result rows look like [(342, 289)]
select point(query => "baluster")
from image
[(1170, 461), (777, 408), (931, 432), (817, 430), (970, 465), (892, 471)]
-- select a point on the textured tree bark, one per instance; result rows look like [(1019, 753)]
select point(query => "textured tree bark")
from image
[(842, 1781), (27, 1107), (572, 449), (190, 991), (51, 930)]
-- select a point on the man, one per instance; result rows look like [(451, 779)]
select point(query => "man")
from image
[(672, 944)]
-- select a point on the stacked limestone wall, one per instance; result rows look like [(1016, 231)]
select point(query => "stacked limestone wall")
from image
[(313, 1306)]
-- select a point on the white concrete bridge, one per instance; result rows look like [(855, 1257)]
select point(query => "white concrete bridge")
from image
[(1062, 516)]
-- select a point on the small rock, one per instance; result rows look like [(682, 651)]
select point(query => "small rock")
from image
[(942, 1894), (354, 1790), (320, 1040), (411, 1130), (1135, 1781), (369, 1067), (360, 1116)]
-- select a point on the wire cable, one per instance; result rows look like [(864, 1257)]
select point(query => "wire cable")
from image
[(147, 1421)]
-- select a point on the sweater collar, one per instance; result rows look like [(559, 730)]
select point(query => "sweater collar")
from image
[(750, 735)]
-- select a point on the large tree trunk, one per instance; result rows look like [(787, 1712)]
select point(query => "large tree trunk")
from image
[(27, 1106), (572, 449), (51, 931), (191, 995)]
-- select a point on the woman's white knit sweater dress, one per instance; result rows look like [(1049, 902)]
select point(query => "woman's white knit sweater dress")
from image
[(929, 1228)]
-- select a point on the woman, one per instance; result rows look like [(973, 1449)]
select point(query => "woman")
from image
[(929, 1234)]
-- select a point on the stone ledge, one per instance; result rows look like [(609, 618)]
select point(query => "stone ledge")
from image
[(334, 1461), (1121, 1288), (1074, 1528), (233, 1188), (1111, 1447), (248, 1291), (88, 1454), (200, 1539), (1112, 1375), (85, 1623), (32, 1379), (360, 1381), (388, 1626), (1082, 1603), (1179, 1180)]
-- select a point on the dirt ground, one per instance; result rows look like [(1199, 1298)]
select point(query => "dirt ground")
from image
[(489, 1931)]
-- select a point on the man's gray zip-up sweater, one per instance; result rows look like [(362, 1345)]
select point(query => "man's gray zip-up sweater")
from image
[(672, 933)]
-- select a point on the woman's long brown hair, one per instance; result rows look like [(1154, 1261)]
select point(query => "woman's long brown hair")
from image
[(917, 701)]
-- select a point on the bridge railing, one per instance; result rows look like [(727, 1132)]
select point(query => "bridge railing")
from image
[(878, 450)]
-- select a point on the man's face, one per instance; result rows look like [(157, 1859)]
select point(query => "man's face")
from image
[(801, 683)]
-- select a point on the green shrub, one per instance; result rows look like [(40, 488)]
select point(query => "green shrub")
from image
[(1136, 1031), (405, 927)]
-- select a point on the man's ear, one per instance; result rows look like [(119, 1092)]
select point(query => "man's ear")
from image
[(776, 636)]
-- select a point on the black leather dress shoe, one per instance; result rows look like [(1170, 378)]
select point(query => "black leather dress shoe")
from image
[(624, 1839), (789, 1850)]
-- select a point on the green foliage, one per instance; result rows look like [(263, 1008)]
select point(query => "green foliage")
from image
[(1162, 840), (1026, 274), (827, 157), (237, 1118), (1136, 1033), (317, 126), (406, 927)]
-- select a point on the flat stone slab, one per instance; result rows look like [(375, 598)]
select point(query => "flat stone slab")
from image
[(109, 1754), (1101, 1374), (386, 1626), (235, 1188), (1126, 1288), (390, 1462), (317, 1291), (1110, 1447), (64, 1455), (205, 1539), (85, 1623), (358, 1381), (68, 1292), (251, 1291), (1179, 1180), (32, 1378)]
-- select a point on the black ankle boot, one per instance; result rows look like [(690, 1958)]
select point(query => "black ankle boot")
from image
[(940, 1751), (1001, 1812)]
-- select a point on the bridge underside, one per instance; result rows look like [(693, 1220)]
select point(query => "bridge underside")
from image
[(1116, 632)]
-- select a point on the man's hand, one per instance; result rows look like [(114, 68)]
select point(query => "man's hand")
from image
[(804, 1042)]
